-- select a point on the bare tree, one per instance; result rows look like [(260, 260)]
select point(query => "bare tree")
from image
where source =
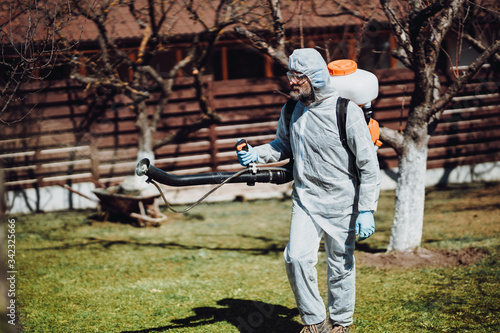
[(156, 21), (28, 48), (419, 27), (28, 31), (270, 37)]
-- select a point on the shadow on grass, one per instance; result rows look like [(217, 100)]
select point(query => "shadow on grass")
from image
[(247, 316), (271, 247), (366, 247)]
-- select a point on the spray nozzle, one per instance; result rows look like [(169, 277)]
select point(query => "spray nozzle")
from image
[(142, 167)]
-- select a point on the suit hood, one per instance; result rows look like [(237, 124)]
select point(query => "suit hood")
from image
[(308, 61)]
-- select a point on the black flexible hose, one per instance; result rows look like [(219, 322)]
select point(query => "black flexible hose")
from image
[(197, 201), (276, 175), (263, 175)]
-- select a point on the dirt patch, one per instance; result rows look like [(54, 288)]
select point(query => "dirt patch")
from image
[(422, 258)]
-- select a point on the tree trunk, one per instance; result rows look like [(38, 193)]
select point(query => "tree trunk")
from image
[(145, 149), (410, 197)]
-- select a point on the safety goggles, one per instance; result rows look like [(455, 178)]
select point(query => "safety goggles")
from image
[(296, 78)]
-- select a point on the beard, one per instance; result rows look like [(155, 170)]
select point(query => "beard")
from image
[(303, 93)]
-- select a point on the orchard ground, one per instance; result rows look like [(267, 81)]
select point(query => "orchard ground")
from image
[(219, 268)]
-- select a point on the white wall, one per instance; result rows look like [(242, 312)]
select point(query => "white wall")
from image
[(50, 198), (57, 198)]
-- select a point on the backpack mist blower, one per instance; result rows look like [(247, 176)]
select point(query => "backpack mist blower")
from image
[(359, 86)]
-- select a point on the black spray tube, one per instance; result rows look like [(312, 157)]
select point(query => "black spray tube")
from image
[(263, 175)]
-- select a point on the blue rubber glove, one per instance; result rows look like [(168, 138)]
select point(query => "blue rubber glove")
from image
[(247, 157), (365, 225)]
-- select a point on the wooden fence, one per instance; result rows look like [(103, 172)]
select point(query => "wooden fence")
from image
[(58, 144)]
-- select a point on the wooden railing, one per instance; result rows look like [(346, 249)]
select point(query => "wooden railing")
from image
[(468, 132), (60, 142)]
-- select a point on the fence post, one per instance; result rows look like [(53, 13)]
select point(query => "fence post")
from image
[(214, 149)]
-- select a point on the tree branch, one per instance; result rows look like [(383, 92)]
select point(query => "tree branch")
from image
[(479, 46), (276, 50), (262, 45), (392, 138), (350, 11), (405, 52), (419, 17), (458, 84), (439, 28), (28, 47), (117, 85)]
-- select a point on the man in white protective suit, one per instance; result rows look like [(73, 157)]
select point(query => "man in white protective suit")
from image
[(335, 191)]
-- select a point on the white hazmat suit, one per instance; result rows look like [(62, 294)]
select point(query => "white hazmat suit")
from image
[(332, 184)]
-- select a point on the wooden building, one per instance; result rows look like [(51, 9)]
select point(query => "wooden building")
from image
[(56, 145)]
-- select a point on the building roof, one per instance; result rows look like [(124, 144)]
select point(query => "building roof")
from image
[(122, 25)]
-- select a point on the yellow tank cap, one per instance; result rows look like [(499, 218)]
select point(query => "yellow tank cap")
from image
[(342, 67)]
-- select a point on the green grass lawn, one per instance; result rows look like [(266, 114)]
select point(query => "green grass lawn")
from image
[(219, 268)]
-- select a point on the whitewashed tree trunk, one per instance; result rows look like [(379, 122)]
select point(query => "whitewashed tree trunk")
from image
[(145, 150), (410, 198), (145, 147)]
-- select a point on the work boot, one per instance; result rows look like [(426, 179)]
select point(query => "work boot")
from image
[(340, 329), (322, 327)]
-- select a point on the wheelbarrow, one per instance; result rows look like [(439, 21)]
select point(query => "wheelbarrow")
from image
[(142, 208)]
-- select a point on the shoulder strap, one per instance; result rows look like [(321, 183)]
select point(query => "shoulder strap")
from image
[(289, 107), (342, 104)]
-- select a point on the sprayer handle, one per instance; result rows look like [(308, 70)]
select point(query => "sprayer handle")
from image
[(241, 145)]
